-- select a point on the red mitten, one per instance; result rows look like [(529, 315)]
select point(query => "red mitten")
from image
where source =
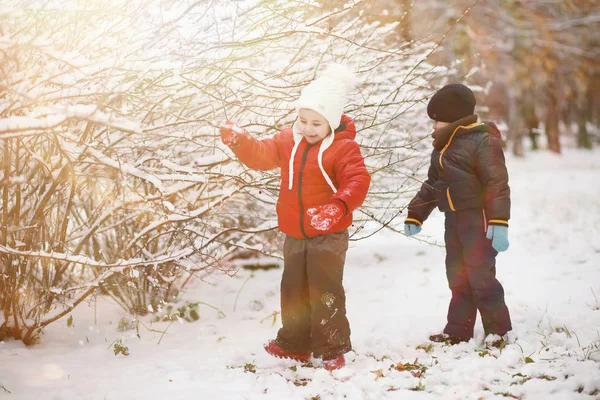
[(325, 217), (229, 132)]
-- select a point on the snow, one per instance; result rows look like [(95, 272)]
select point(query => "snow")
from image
[(397, 296)]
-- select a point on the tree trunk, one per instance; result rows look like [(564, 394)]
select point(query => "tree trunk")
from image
[(532, 123), (515, 125), (584, 114), (552, 131)]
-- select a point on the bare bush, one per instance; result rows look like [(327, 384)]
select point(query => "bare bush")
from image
[(113, 177)]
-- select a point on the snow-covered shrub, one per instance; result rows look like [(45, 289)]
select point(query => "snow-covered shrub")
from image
[(113, 175)]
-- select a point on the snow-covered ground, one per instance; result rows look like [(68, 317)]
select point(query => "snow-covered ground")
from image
[(397, 295)]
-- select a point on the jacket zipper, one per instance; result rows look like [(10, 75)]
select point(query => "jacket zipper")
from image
[(450, 199), (485, 226), (300, 173)]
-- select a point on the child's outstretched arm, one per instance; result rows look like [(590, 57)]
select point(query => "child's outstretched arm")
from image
[(256, 154)]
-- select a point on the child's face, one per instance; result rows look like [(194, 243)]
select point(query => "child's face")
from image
[(314, 126), (439, 124)]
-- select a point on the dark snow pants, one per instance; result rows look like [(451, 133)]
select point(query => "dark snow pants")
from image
[(471, 272), (313, 302)]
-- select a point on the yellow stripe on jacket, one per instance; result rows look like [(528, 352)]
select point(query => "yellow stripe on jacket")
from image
[(473, 125)]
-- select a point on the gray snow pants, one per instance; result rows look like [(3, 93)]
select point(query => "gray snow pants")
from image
[(313, 302)]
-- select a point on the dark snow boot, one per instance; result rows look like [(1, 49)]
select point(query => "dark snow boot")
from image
[(496, 341), (447, 339), (274, 349)]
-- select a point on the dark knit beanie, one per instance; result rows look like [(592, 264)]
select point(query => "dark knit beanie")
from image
[(451, 103)]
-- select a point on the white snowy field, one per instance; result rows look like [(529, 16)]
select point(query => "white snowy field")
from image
[(397, 296)]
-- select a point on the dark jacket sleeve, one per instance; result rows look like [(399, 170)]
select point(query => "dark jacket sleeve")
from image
[(257, 154), (490, 167), (425, 200)]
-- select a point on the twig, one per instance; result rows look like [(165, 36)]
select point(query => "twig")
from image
[(240, 291), (164, 332)]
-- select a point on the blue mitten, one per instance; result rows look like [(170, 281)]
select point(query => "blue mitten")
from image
[(411, 229), (499, 236)]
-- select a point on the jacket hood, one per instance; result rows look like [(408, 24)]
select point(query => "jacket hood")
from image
[(442, 136), (346, 130), (468, 125), (492, 129)]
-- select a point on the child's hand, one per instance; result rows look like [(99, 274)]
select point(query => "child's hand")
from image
[(230, 132), (411, 229), (499, 236), (325, 217)]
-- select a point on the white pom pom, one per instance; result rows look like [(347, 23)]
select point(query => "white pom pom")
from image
[(342, 73)]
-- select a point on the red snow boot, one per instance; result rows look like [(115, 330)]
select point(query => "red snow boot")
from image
[(334, 363), (274, 349)]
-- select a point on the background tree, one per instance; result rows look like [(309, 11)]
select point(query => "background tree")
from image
[(532, 63)]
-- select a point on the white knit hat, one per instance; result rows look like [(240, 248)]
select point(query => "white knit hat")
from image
[(326, 95)]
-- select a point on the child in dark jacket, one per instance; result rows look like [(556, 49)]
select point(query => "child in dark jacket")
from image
[(468, 181), (323, 180)]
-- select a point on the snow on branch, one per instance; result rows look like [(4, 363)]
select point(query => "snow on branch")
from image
[(127, 169), (87, 261), (20, 126)]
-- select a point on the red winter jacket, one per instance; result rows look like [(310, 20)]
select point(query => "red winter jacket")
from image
[(342, 162)]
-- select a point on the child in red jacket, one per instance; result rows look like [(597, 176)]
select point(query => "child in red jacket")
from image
[(323, 180)]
